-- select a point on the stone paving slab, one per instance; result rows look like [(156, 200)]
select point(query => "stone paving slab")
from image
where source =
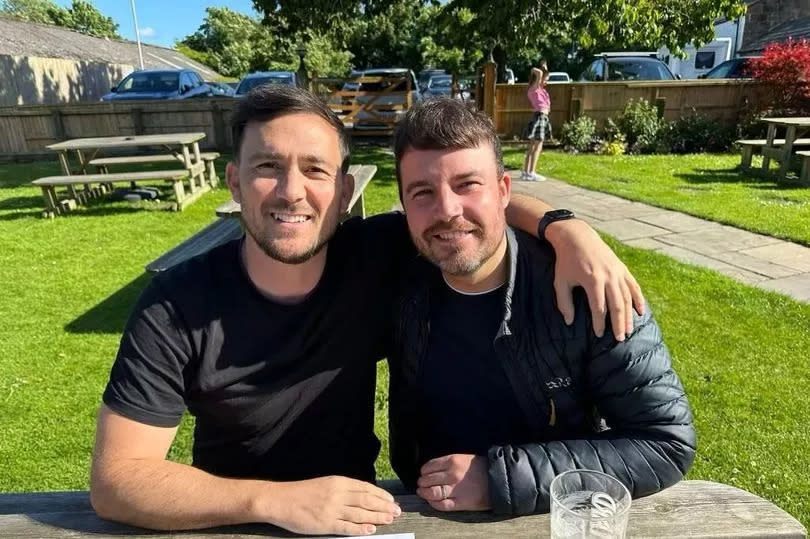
[(755, 259)]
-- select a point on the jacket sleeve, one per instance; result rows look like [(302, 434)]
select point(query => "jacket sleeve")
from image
[(649, 445)]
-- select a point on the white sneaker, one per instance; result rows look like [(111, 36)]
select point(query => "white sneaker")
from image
[(539, 178), (524, 176)]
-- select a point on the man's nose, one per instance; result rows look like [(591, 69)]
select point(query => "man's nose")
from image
[(291, 185), (448, 205)]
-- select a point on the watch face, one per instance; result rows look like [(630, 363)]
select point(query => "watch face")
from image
[(557, 214)]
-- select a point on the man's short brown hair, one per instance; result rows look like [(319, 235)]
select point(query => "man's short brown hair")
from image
[(267, 102), (444, 123)]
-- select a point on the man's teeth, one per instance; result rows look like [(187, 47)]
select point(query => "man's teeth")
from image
[(452, 235), (290, 218)]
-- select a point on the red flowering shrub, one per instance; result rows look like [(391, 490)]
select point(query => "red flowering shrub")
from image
[(785, 67)]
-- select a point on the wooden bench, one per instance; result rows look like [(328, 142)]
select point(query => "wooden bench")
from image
[(749, 146), (219, 232), (56, 206), (696, 509), (102, 163), (805, 175)]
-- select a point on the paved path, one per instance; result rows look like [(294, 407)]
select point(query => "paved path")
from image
[(762, 261)]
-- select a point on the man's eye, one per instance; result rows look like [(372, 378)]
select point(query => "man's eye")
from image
[(421, 193), (267, 165), (467, 185)]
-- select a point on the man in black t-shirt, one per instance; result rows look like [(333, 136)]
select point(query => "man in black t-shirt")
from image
[(271, 345)]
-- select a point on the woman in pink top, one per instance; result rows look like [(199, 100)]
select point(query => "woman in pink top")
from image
[(540, 123)]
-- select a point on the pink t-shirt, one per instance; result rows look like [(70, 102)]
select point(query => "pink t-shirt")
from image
[(539, 98)]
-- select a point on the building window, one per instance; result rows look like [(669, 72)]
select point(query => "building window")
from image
[(704, 60)]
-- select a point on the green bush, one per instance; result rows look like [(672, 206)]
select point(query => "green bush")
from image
[(577, 135), (640, 124), (695, 134)]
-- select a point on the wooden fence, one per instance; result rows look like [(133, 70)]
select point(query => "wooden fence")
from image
[(720, 100), (26, 130)]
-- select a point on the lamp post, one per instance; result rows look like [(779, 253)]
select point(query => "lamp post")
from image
[(137, 32)]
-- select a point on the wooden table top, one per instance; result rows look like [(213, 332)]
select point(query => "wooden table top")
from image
[(796, 122), (124, 142), (698, 509)]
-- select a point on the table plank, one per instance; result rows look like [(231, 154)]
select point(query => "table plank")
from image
[(796, 122), (699, 509), (126, 141)]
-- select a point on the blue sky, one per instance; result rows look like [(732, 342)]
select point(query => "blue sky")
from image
[(162, 21)]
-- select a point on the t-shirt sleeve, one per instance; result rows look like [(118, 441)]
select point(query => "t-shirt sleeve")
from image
[(147, 379)]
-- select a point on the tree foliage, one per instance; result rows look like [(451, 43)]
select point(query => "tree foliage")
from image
[(785, 67), (82, 16)]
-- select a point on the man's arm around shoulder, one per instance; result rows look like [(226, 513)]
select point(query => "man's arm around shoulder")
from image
[(132, 482)]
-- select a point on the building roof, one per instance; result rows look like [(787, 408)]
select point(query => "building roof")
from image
[(22, 38), (796, 29)]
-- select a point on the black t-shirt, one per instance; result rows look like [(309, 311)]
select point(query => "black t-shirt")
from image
[(282, 392), (468, 402)]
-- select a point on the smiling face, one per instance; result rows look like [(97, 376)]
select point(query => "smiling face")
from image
[(289, 182), (454, 200)]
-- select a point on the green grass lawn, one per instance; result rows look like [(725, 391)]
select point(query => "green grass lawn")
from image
[(703, 185), (68, 285)]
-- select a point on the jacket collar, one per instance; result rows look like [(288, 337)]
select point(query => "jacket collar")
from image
[(511, 256)]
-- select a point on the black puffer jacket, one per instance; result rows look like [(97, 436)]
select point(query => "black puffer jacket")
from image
[(591, 402)]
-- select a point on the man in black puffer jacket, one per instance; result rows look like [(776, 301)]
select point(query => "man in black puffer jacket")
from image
[(491, 393)]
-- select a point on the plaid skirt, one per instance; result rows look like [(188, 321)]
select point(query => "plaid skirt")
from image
[(539, 126)]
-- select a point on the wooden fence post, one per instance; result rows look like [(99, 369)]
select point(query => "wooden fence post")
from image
[(220, 141), (58, 124), (489, 74), (137, 120)]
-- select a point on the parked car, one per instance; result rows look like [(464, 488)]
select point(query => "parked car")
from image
[(623, 66), (159, 84), (426, 74), (438, 85), (558, 76), (736, 68), (367, 120), (221, 89), (258, 78)]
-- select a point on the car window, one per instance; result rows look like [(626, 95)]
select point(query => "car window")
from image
[(185, 82), (637, 69), (722, 71), (740, 69), (195, 79), (704, 60), (149, 82), (595, 71)]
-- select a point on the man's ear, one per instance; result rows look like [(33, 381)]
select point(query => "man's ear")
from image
[(347, 192), (232, 177), (505, 189)]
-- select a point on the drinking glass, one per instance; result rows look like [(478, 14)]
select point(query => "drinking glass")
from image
[(588, 504)]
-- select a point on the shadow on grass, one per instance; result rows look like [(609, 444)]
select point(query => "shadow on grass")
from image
[(110, 315), (735, 175), (21, 203)]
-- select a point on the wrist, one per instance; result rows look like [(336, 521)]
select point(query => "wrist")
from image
[(263, 502), (550, 226)]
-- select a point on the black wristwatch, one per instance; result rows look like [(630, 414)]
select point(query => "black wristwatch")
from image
[(552, 217)]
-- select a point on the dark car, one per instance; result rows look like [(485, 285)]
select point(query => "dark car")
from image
[(221, 89), (736, 68), (265, 77), (159, 84), (626, 67)]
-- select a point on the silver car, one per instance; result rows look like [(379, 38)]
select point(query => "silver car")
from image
[(380, 119)]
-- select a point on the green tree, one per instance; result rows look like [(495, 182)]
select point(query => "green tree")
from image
[(81, 16)]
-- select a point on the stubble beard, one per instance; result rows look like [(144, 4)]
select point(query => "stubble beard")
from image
[(459, 261)]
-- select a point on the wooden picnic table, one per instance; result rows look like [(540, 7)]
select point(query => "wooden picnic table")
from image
[(698, 509), (782, 153), (182, 146)]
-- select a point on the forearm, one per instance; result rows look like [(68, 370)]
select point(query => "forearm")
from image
[(520, 476), (164, 495)]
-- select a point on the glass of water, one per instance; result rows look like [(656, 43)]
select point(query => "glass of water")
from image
[(588, 504)]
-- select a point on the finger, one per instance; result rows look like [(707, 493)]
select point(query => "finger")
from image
[(615, 300), (444, 505), (343, 527), (368, 488), (628, 309), (435, 479), (435, 465), (635, 291), (370, 502), (596, 302), (435, 493), (565, 300), (362, 516)]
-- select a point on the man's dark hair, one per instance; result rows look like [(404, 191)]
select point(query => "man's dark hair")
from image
[(444, 123), (269, 101)]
